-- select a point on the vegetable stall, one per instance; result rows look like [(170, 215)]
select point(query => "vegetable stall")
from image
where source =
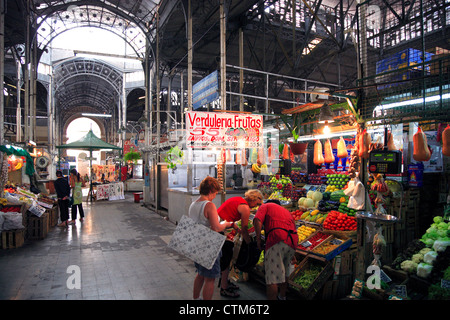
[(329, 204), (26, 212)]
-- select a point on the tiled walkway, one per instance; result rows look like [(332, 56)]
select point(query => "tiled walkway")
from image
[(121, 251)]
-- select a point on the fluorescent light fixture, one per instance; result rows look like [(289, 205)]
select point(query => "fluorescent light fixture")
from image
[(96, 115), (326, 136), (411, 102)]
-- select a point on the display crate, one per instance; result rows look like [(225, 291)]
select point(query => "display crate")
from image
[(37, 228), (12, 239), (309, 292), (53, 216), (347, 261), (329, 290), (346, 243)]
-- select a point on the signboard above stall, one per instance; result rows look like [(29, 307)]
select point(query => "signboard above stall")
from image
[(223, 130)]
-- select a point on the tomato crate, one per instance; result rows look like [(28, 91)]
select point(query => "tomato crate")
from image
[(37, 228), (308, 264), (12, 239)]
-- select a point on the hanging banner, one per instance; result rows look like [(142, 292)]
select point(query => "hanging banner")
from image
[(223, 130), (205, 91)]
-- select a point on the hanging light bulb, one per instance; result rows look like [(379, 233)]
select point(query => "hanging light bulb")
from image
[(325, 114), (326, 129)]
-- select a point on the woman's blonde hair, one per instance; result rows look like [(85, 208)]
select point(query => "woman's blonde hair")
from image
[(253, 194)]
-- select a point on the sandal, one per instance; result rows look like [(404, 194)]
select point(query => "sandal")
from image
[(228, 293), (63, 224)]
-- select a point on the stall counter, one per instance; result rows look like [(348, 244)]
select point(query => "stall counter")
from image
[(180, 199)]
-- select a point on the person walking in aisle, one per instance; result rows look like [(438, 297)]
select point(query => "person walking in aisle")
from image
[(76, 183), (235, 209), (204, 212), (62, 189), (281, 241)]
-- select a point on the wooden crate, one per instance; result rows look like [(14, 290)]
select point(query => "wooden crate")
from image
[(12, 239), (53, 216), (37, 228), (347, 261), (389, 233), (318, 282), (329, 290), (345, 284)]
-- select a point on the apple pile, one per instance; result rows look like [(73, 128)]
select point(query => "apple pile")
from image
[(316, 178), (339, 221), (280, 182)]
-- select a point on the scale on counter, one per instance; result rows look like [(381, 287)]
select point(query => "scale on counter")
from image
[(385, 161)]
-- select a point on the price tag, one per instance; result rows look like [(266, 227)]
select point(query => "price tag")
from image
[(306, 244), (445, 284), (400, 290), (336, 241), (384, 277)]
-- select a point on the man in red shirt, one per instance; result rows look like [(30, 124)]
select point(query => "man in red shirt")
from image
[(235, 209), (281, 241)]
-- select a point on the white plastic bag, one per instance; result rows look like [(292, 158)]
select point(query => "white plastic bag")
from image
[(12, 198), (357, 199), (12, 221), (350, 187)]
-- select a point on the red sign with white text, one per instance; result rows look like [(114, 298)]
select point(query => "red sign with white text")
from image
[(223, 130)]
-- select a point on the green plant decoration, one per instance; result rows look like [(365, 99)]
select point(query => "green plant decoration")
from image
[(174, 157), (132, 156)]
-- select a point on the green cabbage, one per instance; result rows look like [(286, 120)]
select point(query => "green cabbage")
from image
[(438, 219)]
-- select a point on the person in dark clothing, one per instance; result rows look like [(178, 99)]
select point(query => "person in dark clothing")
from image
[(62, 189)]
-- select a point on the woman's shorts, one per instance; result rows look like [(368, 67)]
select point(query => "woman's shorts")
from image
[(277, 260), (214, 272)]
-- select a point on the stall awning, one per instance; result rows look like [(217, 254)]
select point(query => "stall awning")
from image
[(89, 142)]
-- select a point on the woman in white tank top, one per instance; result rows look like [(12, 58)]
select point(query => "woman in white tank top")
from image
[(204, 212)]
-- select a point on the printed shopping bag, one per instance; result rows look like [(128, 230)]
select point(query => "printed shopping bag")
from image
[(196, 242)]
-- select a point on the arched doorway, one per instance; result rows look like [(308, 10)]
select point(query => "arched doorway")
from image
[(77, 129)]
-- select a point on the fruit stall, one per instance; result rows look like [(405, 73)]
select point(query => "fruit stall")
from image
[(330, 204), (24, 214)]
